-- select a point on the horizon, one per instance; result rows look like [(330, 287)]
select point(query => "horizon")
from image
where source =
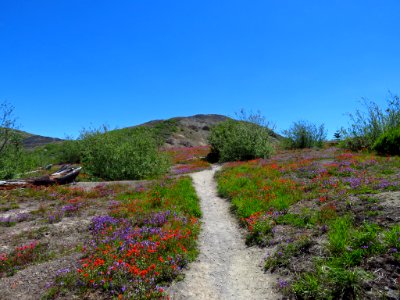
[(69, 65)]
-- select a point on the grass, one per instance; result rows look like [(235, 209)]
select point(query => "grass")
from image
[(303, 202), (254, 189), (285, 252)]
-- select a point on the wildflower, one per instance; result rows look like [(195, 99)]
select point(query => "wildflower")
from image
[(282, 283)]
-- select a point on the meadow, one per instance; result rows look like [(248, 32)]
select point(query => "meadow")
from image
[(125, 242), (328, 219), (326, 214)]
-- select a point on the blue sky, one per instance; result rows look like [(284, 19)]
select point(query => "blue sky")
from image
[(68, 65)]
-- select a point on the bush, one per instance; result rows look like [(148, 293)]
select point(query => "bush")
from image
[(367, 126), (122, 154), (11, 161), (304, 135), (239, 140), (388, 142), (70, 152)]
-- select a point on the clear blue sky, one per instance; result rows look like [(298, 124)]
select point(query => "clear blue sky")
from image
[(66, 65)]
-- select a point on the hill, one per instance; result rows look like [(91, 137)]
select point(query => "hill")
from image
[(185, 131), (30, 140), (175, 132), (188, 131)]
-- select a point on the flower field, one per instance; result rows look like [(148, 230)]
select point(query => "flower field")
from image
[(327, 219), (128, 242), (188, 159)]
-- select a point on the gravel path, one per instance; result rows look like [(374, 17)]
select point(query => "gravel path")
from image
[(225, 268)]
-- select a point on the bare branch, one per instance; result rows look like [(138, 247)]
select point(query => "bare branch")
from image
[(7, 124)]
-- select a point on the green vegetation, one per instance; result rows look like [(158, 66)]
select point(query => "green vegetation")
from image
[(131, 153), (316, 209), (285, 252), (330, 283), (164, 129), (253, 189), (303, 134), (139, 247), (11, 159), (368, 126), (339, 275), (239, 140), (388, 142), (21, 257), (122, 154)]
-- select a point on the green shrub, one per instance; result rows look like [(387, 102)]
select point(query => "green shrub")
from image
[(304, 135), (239, 140), (369, 125), (354, 143), (388, 142), (15, 161), (70, 152), (122, 154)]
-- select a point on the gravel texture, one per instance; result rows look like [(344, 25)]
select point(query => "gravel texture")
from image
[(226, 268)]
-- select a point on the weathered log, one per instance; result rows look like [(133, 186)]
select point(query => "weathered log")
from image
[(66, 174)]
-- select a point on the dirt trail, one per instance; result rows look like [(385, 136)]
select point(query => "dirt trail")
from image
[(226, 268)]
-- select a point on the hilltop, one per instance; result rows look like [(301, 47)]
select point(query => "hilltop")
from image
[(188, 131)]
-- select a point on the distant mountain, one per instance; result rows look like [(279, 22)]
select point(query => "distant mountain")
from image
[(30, 140)]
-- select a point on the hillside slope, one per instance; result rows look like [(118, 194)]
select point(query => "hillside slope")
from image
[(30, 140), (189, 131), (175, 132)]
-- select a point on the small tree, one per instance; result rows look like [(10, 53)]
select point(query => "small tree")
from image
[(303, 134), (337, 135), (11, 153), (7, 126)]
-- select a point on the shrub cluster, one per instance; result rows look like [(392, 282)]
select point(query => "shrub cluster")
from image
[(233, 140), (388, 142), (372, 124), (122, 154), (303, 134)]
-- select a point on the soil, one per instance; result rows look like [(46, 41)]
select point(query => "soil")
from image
[(61, 239), (226, 268)]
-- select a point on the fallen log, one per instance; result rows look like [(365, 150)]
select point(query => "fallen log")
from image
[(66, 174)]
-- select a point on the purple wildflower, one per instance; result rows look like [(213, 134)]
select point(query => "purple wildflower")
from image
[(282, 283)]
